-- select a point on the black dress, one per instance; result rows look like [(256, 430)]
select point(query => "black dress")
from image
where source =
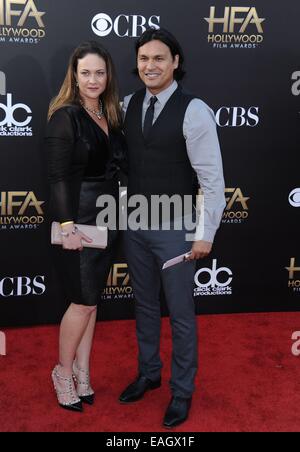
[(83, 163)]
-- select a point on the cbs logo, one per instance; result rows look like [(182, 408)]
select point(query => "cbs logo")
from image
[(213, 276), (9, 113), (237, 117), (22, 286), (124, 25)]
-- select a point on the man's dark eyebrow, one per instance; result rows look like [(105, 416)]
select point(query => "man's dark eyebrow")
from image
[(155, 56)]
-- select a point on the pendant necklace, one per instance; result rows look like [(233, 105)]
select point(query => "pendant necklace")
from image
[(98, 113)]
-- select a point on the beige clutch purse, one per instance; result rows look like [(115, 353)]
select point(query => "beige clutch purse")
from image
[(97, 234)]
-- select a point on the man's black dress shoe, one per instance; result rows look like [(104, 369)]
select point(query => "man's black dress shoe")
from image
[(137, 389), (177, 411)]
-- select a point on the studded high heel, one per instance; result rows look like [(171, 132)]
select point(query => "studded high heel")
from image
[(67, 399), (84, 389)]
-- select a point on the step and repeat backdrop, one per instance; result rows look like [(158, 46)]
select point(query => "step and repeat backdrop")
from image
[(242, 58)]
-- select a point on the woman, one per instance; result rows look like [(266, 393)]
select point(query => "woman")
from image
[(84, 146)]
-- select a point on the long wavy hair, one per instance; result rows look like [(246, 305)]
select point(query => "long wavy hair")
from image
[(69, 92)]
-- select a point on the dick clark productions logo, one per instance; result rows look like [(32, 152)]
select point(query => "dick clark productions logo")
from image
[(14, 118), (216, 283)]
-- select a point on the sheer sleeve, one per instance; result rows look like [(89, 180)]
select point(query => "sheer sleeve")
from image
[(59, 143)]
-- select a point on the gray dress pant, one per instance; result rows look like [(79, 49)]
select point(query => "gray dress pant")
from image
[(146, 251)]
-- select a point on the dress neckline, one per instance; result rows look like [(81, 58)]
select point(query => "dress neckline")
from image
[(94, 122)]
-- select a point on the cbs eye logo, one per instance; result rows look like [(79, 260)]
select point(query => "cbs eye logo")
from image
[(294, 197), (102, 25)]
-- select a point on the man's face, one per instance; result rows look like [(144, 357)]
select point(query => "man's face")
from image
[(156, 66)]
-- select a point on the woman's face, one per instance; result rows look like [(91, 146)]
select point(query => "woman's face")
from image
[(91, 77)]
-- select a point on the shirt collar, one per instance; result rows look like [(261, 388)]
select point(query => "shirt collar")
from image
[(164, 95)]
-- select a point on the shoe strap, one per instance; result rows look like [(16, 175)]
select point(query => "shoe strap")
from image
[(70, 391), (87, 389)]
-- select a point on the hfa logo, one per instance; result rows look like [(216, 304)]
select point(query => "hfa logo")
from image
[(237, 208), (20, 210), (117, 286), (293, 282), (15, 122), (232, 26), (15, 18)]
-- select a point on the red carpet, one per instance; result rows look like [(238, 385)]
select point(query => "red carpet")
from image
[(248, 379)]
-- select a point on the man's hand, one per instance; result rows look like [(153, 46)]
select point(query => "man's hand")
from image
[(200, 249)]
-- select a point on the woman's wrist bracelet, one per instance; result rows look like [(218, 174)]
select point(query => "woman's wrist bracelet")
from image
[(66, 222)]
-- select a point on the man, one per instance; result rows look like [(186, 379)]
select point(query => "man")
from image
[(171, 136)]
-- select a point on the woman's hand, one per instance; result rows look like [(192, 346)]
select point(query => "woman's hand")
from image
[(74, 240)]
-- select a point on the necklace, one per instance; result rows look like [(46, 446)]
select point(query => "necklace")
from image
[(98, 113)]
